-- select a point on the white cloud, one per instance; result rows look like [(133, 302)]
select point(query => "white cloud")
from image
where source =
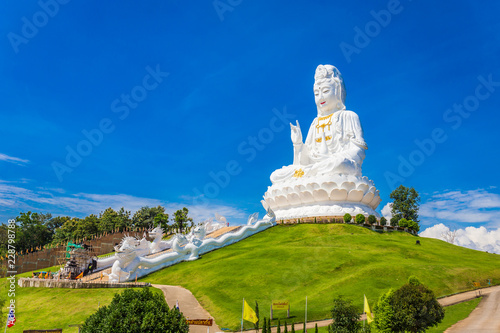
[(474, 206), (471, 237), (14, 198), (11, 159), (387, 211)]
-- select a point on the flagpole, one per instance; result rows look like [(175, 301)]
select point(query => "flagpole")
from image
[(7, 322), (305, 321), (242, 309)]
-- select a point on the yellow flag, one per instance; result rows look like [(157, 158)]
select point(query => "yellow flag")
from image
[(369, 315), (249, 313), (40, 276), (79, 276), (47, 275)]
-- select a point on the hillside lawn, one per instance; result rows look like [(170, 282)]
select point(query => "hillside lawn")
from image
[(321, 261)]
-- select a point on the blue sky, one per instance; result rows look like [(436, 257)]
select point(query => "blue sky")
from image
[(172, 91)]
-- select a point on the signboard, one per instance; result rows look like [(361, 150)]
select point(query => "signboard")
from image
[(281, 305), (203, 322), (57, 330)]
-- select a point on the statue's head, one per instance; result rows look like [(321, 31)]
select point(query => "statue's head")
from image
[(329, 89)]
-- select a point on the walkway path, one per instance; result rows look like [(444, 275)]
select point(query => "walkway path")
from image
[(485, 318), (188, 305)]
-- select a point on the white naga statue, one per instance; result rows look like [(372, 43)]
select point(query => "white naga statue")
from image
[(325, 178)]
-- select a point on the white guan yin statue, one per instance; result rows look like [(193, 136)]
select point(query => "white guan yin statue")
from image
[(325, 178)]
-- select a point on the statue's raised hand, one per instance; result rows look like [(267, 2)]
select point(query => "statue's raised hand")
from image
[(296, 133)]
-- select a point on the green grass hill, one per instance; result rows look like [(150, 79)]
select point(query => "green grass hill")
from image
[(321, 261)]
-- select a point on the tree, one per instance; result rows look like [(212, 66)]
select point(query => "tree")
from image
[(449, 236), (293, 328), (145, 217), (264, 325), (411, 308), (403, 223), (285, 330), (87, 227), (372, 219), (347, 218), (278, 329), (405, 204), (269, 325), (394, 221), (345, 317), (181, 218), (136, 312), (316, 328), (412, 225), (32, 230), (383, 221), (360, 219)]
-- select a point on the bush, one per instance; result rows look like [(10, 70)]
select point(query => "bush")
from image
[(347, 218), (412, 308), (360, 219), (136, 312), (412, 225), (383, 221), (345, 317), (372, 219), (403, 223), (394, 221)]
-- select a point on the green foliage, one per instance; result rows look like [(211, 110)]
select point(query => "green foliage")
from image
[(269, 325), (136, 311), (111, 220), (285, 330), (383, 313), (32, 230), (181, 218), (278, 329), (347, 218), (383, 221), (405, 204), (372, 219), (412, 308), (293, 328), (394, 221), (412, 225), (147, 217), (360, 219), (264, 325), (403, 223), (345, 317)]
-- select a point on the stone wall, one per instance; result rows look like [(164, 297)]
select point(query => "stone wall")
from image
[(34, 282)]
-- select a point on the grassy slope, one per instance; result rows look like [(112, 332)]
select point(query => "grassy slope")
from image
[(49, 308), (321, 261)]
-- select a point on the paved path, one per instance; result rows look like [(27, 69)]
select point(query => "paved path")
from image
[(485, 318), (188, 305)]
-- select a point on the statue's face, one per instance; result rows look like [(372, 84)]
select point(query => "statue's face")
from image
[(326, 98)]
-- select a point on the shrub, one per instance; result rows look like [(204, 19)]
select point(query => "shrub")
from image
[(347, 218), (345, 317), (360, 219), (412, 308), (383, 221), (412, 225), (394, 221), (403, 223), (136, 312), (372, 219)]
